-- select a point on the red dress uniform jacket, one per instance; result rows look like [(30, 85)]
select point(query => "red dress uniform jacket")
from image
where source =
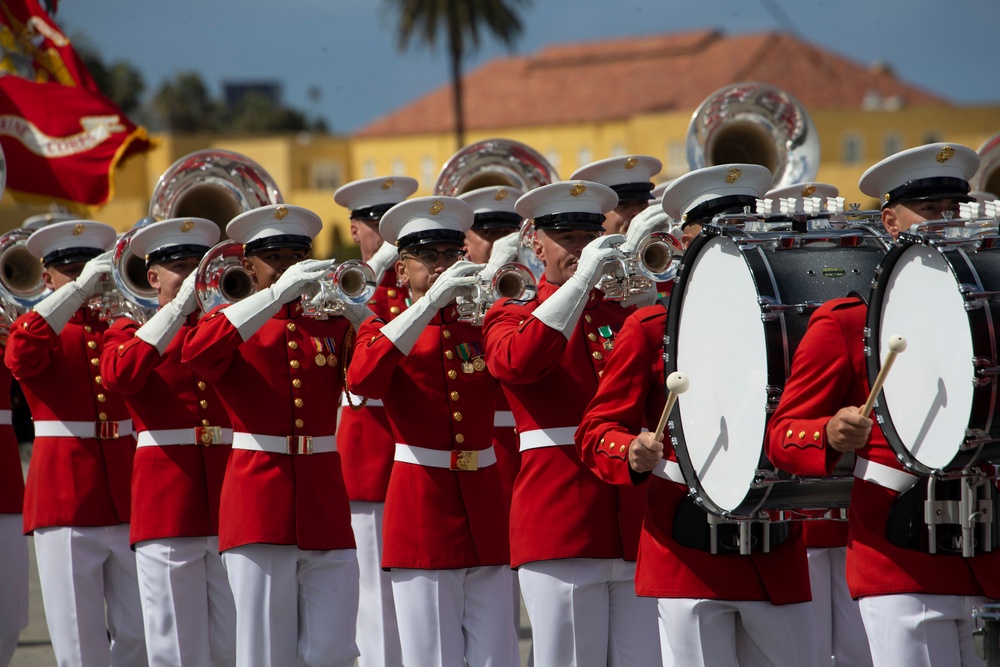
[(829, 373), (505, 444), (175, 488), (11, 476), (364, 437), (274, 384), (632, 393), (71, 481), (560, 508), (435, 518)]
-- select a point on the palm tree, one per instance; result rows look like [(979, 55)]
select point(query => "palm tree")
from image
[(462, 21)]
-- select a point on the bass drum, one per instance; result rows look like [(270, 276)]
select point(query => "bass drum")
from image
[(740, 307), (938, 406)]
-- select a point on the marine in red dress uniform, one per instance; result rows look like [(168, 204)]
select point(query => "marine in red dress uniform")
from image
[(365, 439), (445, 517), (917, 607), (573, 537), (183, 437), (77, 494), (284, 521), (13, 545)]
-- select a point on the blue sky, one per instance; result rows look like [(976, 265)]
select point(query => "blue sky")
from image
[(347, 48)]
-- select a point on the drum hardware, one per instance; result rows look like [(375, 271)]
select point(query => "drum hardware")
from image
[(986, 636), (351, 282), (512, 280), (966, 512)]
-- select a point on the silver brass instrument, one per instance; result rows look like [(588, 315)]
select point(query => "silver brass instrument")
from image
[(512, 280), (352, 282), (494, 162), (21, 284), (652, 262), (987, 178), (755, 123), (526, 250), (215, 184), (126, 292), (221, 279)]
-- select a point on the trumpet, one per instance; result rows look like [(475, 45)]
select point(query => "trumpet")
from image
[(21, 284), (352, 282), (512, 280), (652, 262)]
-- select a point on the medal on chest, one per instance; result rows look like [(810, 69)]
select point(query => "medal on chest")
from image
[(326, 351), (472, 357), (607, 336)]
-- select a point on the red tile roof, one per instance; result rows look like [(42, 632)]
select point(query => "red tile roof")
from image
[(615, 79)]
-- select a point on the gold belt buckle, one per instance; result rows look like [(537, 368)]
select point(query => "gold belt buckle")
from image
[(208, 435), (107, 430), (464, 459), (299, 444)]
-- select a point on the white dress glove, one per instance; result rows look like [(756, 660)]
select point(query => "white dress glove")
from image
[(563, 309), (168, 320), (251, 313), (407, 327), (503, 252), (652, 219), (58, 308), (384, 257)]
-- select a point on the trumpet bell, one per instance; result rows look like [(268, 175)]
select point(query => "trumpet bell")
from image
[(656, 254), (514, 281), (221, 279), (494, 162), (21, 283), (355, 281)]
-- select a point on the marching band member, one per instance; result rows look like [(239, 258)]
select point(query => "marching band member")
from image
[(446, 520), (839, 628), (284, 520), (573, 537), (77, 495), (364, 437), (183, 437), (916, 606), (721, 609), (631, 179)]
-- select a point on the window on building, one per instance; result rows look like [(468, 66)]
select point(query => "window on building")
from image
[(675, 162), (932, 137), (553, 157), (326, 176), (584, 156), (617, 150), (428, 173), (892, 143), (852, 148), (368, 169), (398, 167)]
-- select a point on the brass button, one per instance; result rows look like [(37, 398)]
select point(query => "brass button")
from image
[(459, 438), (291, 326), (101, 398), (789, 433), (816, 435), (87, 328), (205, 422), (294, 363), (98, 379), (449, 355), (394, 310), (298, 402), (454, 395), (802, 434), (203, 403), (94, 361), (92, 344), (391, 293), (622, 448), (297, 383), (103, 416), (588, 318), (202, 385), (292, 345), (591, 337), (598, 355), (601, 442), (446, 333), (452, 375), (457, 416), (600, 374), (299, 423)]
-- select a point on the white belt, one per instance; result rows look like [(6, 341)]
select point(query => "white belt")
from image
[(503, 419), (198, 435), (104, 430), (455, 459), (669, 470), (6, 417), (281, 444), (883, 475), (356, 400), (547, 437)]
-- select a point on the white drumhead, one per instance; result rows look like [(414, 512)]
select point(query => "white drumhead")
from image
[(720, 347), (928, 391)]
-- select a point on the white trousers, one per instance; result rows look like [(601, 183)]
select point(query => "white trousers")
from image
[(82, 570), (377, 632), (13, 584), (727, 633), (455, 617), (919, 630), (293, 604), (187, 606), (584, 611), (840, 632)]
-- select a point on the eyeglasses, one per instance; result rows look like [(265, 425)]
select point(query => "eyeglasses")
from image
[(429, 257)]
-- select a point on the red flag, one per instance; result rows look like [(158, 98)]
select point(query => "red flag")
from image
[(61, 136)]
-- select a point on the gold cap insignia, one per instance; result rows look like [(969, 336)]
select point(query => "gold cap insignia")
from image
[(79, 228), (437, 207), (500, 195), (577, 190), (808, 190), (280, 213), (945, 154), (388, 183), (631, 162), (187, 226), (147, 257), (733, 175), (684, 218), (887, 196)]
